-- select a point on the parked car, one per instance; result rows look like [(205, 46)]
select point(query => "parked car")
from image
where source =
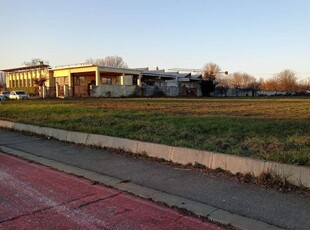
[(2, 98), (18, 94), (6, 94)]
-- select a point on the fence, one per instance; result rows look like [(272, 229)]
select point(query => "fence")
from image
[(143, 91), (113, 91), (234, 93), (244, 93)]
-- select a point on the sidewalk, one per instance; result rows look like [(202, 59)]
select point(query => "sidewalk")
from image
[(37, 197), (266, 205)]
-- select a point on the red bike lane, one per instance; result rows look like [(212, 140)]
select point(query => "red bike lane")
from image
[(36, 197)]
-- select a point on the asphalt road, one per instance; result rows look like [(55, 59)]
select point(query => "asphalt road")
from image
[(285, 210), (36, 197)]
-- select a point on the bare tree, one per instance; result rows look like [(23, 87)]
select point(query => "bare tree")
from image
[(39, 81), (210, 70), (236, 80), (244, 81), (223, 84), (112, 61), (90, 61), (287, 81), (270, 84), (35, 61), (304, 86), (251, 83)]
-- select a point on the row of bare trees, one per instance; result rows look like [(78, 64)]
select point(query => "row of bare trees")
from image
[(221, 81), (111, 61), (238, 81), (283, 81), (286, 81)]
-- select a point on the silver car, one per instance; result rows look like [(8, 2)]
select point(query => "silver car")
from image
[(18, 94), (5, 94)]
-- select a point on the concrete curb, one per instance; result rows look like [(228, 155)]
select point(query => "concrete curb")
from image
[(199, 209), (297, 175)]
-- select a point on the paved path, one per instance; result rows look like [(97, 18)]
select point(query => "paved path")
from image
[(290, 210), (36, 197)]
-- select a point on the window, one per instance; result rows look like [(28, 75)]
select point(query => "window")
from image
[(106, 81), (82, 80)]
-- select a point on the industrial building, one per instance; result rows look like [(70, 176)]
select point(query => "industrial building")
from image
[(88, 80)]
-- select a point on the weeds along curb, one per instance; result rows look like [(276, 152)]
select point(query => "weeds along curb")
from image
[(297, 175)]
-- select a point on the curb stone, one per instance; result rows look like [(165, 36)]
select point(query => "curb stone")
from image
[(199, 209), (242, 222), (297, 175)]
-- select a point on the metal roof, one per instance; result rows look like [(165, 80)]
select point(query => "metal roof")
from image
[(26, 68), (170, 74)]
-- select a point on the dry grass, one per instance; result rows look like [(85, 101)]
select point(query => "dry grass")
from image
[(272, 129), (255, 108)]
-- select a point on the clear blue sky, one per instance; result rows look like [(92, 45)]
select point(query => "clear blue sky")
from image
[(254, 36)]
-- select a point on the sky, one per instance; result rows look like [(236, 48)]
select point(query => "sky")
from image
[(259, 37)]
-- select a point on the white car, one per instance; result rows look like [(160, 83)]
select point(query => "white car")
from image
[(18, 94)]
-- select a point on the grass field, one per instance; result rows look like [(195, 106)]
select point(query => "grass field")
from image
[(272, 129)]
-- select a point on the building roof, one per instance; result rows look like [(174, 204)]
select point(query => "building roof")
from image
[(109, 68), (70, 66), (170, 74), (26, 68)]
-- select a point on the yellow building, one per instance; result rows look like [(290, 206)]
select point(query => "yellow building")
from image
[(22, 78), (72, 80), (77, 80)]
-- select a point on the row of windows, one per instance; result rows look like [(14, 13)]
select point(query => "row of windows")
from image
[(21, 83), (24, 76)]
